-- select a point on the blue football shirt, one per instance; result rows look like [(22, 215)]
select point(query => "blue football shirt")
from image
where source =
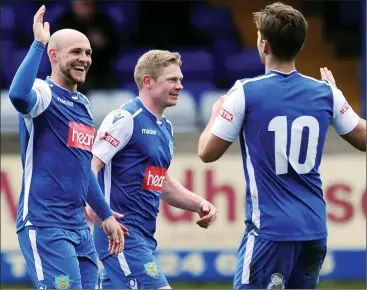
[(282, 121), (137, 149), (56, 140)]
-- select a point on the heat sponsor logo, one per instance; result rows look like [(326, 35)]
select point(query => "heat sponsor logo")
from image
[(107, 137), (226, 115), (154, 178), (81, 136)]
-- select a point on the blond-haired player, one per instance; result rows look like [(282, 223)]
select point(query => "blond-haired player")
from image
[(132, 154)]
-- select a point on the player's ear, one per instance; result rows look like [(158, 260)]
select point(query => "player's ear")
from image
[(266, 47), (302, 46), (52, 55), (147, 81)]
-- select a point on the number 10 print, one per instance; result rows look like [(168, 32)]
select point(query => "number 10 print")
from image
[(279, 126)]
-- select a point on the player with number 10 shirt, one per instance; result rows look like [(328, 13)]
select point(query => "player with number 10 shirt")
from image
[(281, 119)]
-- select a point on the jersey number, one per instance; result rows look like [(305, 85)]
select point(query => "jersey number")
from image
[(279, 126)]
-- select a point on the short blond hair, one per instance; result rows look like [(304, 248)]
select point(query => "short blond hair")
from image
[(152, 62)]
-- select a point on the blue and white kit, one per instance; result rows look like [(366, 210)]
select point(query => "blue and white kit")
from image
[(282, 120), (136, 149), (56, 131)]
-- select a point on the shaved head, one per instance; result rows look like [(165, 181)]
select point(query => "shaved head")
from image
[(66, 37), (70, 54)]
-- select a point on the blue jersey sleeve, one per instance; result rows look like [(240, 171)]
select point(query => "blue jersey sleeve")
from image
[(96, 199), (21, 94)]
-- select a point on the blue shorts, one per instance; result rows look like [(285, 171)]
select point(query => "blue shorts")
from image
[(264, 264), (59, 258), (134, 268)]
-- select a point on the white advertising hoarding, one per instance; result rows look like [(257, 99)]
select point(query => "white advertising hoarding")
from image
[(222, 182)]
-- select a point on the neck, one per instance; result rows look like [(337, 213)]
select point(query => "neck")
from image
[(282, 66), (63, 82), (152, 106)]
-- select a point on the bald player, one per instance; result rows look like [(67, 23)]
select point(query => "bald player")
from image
[(56, 133)]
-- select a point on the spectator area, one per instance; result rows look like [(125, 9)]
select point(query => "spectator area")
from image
[(210, 67)]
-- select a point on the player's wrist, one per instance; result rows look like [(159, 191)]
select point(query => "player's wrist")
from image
[(104, 216), (39, 44), (107, 219), (200, 204)]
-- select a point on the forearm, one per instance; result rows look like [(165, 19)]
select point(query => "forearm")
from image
[(203, 140), (96, 199), (93, 215), (361, 141), (176, 195), (20, 92)]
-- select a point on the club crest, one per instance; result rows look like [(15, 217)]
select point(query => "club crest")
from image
[(151, 269), (63, 282), (277, 282)]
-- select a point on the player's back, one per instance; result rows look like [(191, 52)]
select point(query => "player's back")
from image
[(286, 120)]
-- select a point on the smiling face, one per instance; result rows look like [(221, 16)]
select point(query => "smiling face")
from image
[(166, 89), (158, 74), (74, 62), (71, 56)]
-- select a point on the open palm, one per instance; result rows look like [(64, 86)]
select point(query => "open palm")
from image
[(41, 30), (326, 74)]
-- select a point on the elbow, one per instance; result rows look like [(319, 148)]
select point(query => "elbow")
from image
[(14, 96), (19, 103), (361, 144), (20, 95), (202, 155), (17, 98), (206, 157), (361, 147)]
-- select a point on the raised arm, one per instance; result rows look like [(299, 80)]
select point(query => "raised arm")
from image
[(20, 93), (357, 137), (224, 125), (211, 147), (345, 121)]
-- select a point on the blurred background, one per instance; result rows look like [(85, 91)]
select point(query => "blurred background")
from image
[(217, 42)]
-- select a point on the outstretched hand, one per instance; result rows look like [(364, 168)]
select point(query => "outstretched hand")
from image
[(217, 107), (327, 75), (41, 30)]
